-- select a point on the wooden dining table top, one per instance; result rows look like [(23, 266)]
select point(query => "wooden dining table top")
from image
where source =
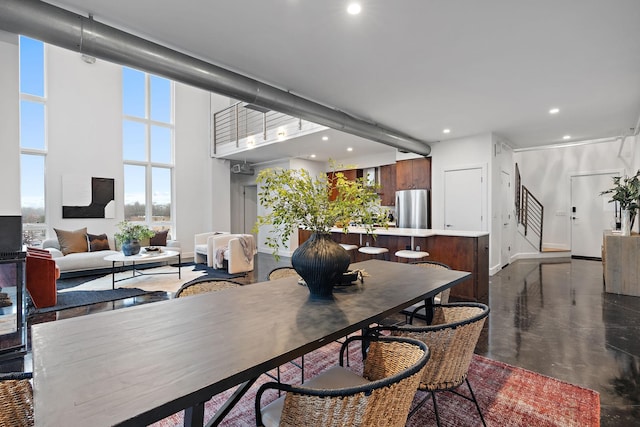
[(140, 364)]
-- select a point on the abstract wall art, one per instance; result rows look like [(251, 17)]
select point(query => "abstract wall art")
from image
[(88, 197)]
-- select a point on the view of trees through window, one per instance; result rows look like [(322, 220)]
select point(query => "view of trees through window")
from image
[(147, 148), (33, 147)]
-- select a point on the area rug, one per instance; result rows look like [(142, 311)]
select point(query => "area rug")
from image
[(163, 279), (66, 300), (508, 396)]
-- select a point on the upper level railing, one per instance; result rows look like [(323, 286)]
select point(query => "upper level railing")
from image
[(243, 121)]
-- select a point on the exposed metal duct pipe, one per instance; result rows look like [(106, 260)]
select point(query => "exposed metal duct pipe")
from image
[(69, 30)]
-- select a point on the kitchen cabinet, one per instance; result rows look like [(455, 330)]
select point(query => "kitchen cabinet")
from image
[(349, 174), (463, 251), (465, 254), (414, 173), (387, 185)]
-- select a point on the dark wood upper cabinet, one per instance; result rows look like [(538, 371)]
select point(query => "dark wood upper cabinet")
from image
[(349, 174), (414, 173), (388, 185)]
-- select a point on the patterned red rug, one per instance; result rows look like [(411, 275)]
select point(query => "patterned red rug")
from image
[(508, 396)]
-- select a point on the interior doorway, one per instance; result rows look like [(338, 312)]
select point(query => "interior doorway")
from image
[(250, 209), (465, 199), (590, 212)]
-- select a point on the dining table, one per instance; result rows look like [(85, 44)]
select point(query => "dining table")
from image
[(137, 365)]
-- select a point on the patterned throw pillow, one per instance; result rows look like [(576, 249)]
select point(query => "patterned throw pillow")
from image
[(160, 238), (98, 242), (72, 241)]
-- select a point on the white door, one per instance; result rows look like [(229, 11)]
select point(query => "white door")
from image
[(250, 209), (590, 213), (506, 202), (464, 199)]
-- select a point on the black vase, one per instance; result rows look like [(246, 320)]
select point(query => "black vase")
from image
[(320, 262), (130, 247)]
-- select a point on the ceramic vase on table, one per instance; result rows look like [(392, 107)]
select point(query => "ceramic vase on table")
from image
[(320, 262), (130, 247), (625, 227)]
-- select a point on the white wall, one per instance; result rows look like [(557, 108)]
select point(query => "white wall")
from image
[(546, 173), (9, 125), (84, 132)]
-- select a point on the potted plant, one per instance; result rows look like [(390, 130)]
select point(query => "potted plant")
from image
[(295, 200), (130, 235), (626, 191)]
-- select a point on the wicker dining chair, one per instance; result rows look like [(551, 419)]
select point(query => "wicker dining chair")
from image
[(201, 286), (16, 400), (452, 338), (419, 309), (382, 396)]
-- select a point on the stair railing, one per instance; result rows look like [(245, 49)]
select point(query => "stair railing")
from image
[(531, 215)]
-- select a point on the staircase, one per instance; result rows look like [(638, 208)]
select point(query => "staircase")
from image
[(529, 213)]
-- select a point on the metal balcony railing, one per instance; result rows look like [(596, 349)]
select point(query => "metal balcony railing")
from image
[(245, 121)]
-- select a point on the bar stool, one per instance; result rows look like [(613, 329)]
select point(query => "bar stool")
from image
[(350, 249), (411, 255), (375, 251)]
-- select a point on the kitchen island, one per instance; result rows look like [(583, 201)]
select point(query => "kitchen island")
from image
[(460, 250)]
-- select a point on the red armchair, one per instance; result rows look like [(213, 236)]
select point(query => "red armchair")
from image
[(41, 276)]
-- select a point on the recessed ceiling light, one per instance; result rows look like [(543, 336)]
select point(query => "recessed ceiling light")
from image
[(354, 8), (325, 138), (554, 111), (566, 137), (446, 130), (313, 156), (349, 149)]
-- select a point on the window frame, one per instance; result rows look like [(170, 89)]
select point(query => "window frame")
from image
[(148, 164), (41, 228)]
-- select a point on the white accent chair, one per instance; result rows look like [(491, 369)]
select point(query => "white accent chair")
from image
[(207, 246)]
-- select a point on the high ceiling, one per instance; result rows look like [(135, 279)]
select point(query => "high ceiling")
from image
[(420, 66)]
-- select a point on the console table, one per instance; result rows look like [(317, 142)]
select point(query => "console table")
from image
[(621, 263)]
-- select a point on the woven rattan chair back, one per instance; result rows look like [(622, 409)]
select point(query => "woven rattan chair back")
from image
[(443, 297), (394, 365), (452, 339), (280, 272), (16, 400), (203, 286)]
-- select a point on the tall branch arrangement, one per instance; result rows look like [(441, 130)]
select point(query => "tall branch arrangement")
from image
[(295, 200)]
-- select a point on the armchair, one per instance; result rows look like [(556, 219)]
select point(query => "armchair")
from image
[(237, 249), (41, 275)]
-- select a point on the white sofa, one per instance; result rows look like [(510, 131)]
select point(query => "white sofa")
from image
[(232, 248), (86, 261)]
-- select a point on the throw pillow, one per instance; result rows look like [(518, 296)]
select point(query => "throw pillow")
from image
[(159, 239), (98, 242), (72, 241)]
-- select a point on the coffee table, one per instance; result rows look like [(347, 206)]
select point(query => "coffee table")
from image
[(141, 258)]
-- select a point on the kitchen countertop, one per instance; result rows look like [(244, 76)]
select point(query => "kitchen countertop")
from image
[(412, 232)]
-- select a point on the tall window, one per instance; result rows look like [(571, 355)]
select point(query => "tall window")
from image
[(33, 143), (147, 148)]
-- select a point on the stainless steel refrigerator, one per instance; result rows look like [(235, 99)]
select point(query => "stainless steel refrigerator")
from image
[(412, 208)]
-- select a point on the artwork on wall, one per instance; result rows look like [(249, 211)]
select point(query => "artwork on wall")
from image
[(88, 197)]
